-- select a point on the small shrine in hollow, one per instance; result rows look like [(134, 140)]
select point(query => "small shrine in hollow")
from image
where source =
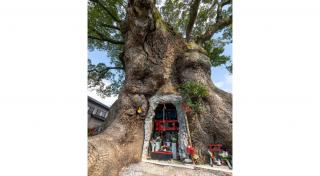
[(166, 134)]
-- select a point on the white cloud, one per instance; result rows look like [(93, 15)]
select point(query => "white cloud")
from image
[(228, 79), (107, 101), (226, 84), (219, 84)]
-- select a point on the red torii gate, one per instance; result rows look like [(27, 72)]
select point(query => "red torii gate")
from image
[(215, 148)]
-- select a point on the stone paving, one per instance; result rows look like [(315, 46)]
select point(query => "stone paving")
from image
[(150, 169)]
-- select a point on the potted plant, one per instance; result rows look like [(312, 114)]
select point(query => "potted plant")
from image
[(226, 157)]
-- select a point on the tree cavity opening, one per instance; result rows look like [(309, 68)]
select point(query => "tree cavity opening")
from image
[(165, 130)]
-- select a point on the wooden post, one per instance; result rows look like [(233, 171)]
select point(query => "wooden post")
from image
[(189, 136)]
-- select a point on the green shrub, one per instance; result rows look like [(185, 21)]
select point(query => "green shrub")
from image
[(192, 94)]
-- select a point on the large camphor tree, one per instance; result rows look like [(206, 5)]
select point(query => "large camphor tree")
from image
[(158, 48)]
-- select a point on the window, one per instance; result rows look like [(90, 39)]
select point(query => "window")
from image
[(98, 112), (103, 114), (91, 109)]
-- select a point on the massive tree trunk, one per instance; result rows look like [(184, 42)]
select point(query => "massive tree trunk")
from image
[(156, 61)]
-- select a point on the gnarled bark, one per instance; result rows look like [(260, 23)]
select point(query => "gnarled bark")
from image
[(156, 61)]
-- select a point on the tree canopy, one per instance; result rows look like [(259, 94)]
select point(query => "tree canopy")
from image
[(205, 22)]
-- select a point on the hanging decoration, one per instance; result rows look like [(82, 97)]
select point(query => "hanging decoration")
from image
[(139, 110), (190, 150), (163, 115)]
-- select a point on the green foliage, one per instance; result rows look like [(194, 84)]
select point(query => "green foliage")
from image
[(105, 81), (173, 12), (229, 67), (99, 19), (173, 139), (206, 17), (176, 12), (215, 53), (192, 93)]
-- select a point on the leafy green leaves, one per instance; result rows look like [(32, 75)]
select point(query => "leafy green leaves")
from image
[(176, 12), (103, 24), (229, 67), (98, 76), (215, 53), (102, 21), (192, 93), (104, 18)]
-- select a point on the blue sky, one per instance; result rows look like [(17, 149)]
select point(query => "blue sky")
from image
[(220, 75)]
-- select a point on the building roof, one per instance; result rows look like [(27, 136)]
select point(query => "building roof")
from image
[(98, 103)]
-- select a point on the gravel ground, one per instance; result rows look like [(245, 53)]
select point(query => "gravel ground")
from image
[(149, 169)]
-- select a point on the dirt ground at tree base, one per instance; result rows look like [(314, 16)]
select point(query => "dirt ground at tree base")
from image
[(149, 169)]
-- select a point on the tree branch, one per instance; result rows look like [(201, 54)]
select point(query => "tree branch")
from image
[(215, 28), (107, 69), (104, 38), (220, 22), (225, 2), (110, 26), (116, 68), (115, 18), (192, 18)]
